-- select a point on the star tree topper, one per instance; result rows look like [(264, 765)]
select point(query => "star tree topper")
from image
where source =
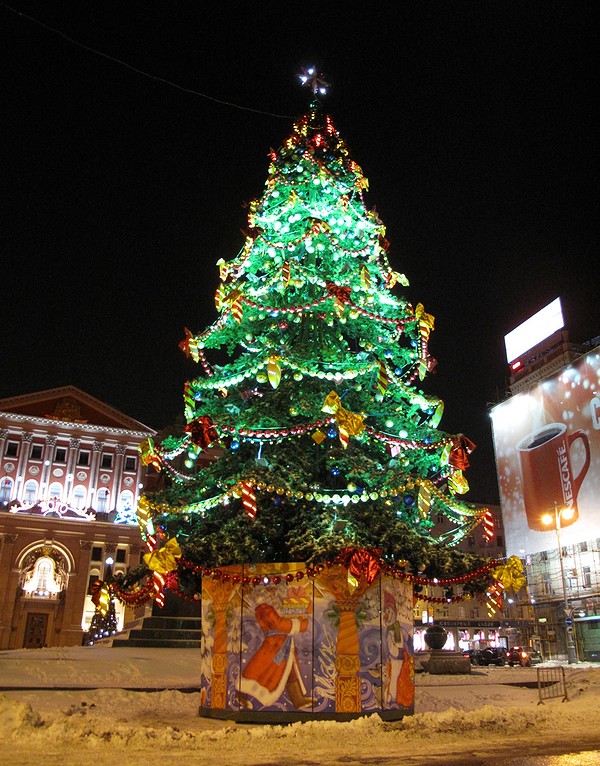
[(314, 81)]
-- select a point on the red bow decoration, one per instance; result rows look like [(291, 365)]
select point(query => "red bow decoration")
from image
[(185, 343), (202, 431), (461, 449), (96, 591), (336, 291), (252, 232), (361, 562), (384, 243)]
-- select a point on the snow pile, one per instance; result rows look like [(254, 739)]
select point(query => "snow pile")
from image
[(490, 709)]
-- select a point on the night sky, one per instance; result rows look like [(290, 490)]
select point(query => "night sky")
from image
[(475, 123)]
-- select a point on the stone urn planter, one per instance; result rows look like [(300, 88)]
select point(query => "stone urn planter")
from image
[(283, 643), (435, 637), (442, 661)]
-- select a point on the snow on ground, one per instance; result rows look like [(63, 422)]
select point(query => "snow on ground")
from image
[(82, 705)]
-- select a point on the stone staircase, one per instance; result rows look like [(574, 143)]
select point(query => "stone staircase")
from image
[(177, 625)]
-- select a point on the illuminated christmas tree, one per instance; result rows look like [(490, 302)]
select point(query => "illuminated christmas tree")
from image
[(104, 619), (329, 443)]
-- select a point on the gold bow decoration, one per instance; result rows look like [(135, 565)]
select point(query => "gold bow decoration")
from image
[(164, 560), (101, 595), (426, 321), (226, 295), (349, 423), (511, 575), (148, 454)]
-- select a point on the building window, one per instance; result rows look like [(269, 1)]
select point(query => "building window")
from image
[(130, 463), (500, 541), (36, 452), (83, 458), (120, 555), (60, 456), (41, 583), (583, 547), (97, 553), (107, 460), (91, 580), (12, 449), (30, 491), (471, 540), (55, 490), (79, 496), (102, 499), (6, 488), (441, 518), (587, 577), (572, 579), (125, 501)]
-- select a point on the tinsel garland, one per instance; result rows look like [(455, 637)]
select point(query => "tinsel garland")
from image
[(172, 581)]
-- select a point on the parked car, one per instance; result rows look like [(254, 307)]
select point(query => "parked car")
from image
[(524, 656), (470, 653), (491, 655)]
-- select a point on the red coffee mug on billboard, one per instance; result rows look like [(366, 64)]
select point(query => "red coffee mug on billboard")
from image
[(547, 474)]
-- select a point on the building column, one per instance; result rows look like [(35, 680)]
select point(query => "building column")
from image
[(71, 632), (3, 435), (47, 461), (120, 451), (94, 472), (26, 439), (71, 463), (7, 543)]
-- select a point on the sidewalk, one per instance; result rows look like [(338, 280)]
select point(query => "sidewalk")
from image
[(102, 666)]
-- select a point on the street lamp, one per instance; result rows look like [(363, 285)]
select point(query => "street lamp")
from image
[(548, 519)]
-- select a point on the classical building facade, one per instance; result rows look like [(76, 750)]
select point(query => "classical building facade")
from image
[(70, 478)]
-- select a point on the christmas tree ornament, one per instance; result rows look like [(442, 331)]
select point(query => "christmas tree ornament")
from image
[(424, 500), (274, 371), (318, 436), (383, 379), (237, 309), (249, 499)]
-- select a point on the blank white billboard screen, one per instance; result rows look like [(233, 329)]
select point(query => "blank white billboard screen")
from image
[(534, 330)]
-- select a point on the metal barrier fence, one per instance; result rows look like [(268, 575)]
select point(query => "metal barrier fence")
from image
[(551, 683)]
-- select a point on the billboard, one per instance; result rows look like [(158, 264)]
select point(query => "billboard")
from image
[(534, 330), (547, 444)]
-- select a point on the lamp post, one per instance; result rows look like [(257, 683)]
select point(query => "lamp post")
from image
[(559, 513)]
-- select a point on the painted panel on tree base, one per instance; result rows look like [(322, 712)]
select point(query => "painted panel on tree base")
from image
[(278, 645)]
